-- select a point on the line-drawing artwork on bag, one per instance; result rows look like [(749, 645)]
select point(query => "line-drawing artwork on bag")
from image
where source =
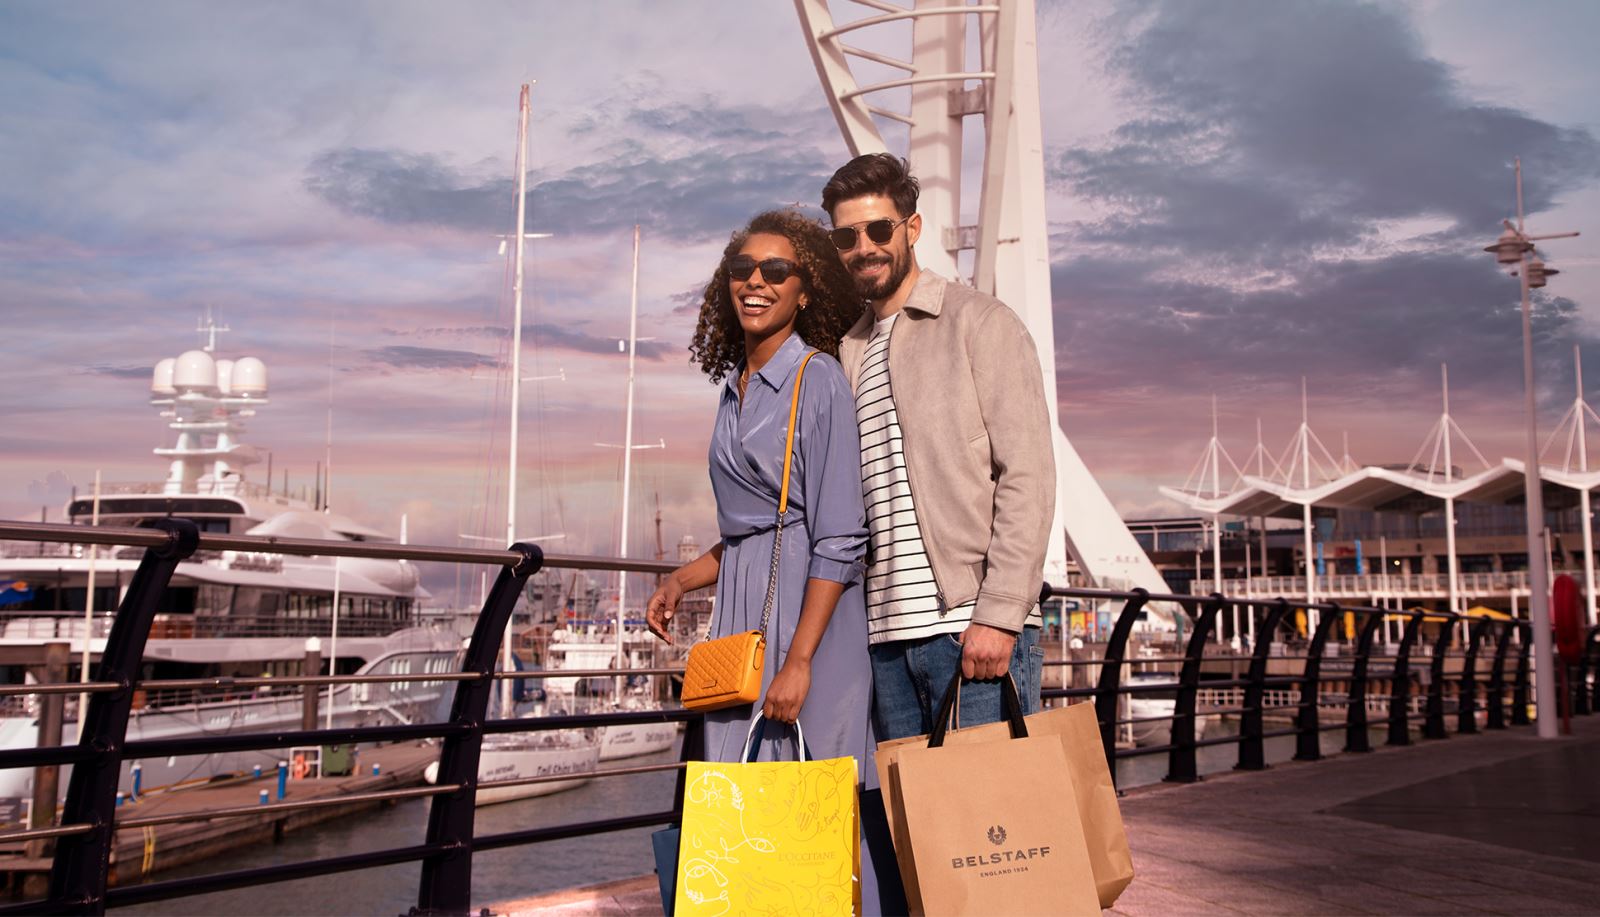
[(705, 791), (815, 807), (769, 839)]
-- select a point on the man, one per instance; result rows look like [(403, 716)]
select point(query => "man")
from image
[(956, 464)]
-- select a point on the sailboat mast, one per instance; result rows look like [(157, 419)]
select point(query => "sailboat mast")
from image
[(506, 664), (627, 462)]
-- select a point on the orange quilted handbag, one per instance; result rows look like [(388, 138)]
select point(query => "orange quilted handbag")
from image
[(726, 672)]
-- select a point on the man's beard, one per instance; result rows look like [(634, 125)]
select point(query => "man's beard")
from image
[(885, 284)]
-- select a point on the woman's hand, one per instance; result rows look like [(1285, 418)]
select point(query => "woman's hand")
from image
[(662, 606), (787, 693)]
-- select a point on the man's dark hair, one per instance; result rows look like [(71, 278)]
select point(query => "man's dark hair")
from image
[(874, 173)]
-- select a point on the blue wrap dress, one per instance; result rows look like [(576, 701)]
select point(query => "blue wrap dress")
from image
[(824, 536)]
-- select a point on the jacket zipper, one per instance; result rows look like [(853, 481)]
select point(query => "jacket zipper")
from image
[(905, 451)]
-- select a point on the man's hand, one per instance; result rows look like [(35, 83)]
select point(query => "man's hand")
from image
[(662, 606), (985, 651), (787, 693)]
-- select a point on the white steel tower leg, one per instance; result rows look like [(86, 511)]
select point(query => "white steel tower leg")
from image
[(1010, 242), (938, 45), (1580, 407)]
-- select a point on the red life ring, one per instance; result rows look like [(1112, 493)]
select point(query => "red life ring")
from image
[(300, 768)]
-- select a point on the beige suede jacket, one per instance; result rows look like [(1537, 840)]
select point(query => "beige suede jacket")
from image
[(976, 435)]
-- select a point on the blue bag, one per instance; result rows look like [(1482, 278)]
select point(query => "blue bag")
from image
[(665, 845)]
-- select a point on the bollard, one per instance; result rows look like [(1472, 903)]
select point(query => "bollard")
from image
[(263, 797), (47, 777), (138, 780), (374, 768), (119, 800), (311, 665), (283, 778), (258, 772)]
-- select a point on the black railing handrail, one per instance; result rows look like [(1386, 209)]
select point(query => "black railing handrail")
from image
[(79, 874), (311, 547)]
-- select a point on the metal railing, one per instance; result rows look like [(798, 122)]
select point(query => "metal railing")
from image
[(1370, 584), (1421, 691), (89, 819)]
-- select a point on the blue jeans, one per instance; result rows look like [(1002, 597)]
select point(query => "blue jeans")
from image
[(909, 678)]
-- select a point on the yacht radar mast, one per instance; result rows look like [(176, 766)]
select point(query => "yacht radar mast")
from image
[(206, 400)]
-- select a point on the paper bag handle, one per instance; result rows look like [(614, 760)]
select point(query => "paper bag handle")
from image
[(1010, 710), (758, 729)]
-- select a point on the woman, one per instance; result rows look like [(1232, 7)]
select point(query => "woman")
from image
[(779, 293)]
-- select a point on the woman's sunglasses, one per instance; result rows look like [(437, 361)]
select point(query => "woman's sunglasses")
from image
[(879, 231), (775, 271)]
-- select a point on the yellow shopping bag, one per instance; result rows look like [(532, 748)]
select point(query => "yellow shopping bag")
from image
[(769, 837)]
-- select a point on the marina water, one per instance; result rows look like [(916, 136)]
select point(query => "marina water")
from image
[(498, 875)]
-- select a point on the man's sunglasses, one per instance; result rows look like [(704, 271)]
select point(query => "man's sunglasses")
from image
[(879, 231), (775, 271)]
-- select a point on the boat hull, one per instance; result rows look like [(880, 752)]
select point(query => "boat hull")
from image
[(636, 739), (515, 760)]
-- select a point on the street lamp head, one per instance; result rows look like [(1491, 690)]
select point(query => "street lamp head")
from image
[(1509, 247), (1537, 273)]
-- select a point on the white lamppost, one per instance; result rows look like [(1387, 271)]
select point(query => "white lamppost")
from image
[(1515, 247)]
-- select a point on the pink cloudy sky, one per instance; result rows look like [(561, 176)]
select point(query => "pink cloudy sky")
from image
[(1241, 193)]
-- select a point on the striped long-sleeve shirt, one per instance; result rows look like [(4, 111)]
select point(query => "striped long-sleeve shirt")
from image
[(903, 602)]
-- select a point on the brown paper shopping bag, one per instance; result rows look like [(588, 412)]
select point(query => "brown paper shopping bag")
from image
[(984, 827), (1079, 734)]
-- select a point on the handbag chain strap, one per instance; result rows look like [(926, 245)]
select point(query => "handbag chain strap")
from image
[(783, 496)]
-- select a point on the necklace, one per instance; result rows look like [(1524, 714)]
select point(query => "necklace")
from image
[(744, 381)]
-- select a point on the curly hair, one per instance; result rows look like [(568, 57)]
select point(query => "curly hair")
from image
[(834, 306)]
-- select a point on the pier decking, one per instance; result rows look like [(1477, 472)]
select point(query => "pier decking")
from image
[(1503, 823)]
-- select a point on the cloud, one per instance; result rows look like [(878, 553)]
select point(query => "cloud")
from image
[(568, 339), (548, 336), (1279, 128), (408, 357), (119, 372), (1301, 190), (694, 171), (693, 196), (53, 491), (688, 302)]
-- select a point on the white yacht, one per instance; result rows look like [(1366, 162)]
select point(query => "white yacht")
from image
[(573, 753), (226, 613), (1146, 705), (592, 648)]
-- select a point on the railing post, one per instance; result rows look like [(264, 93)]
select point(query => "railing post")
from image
[(1519, 688), (1252, 744), (1593, 647), (446, 886), (78, 874), (1182, 763), (694, 749), (1355, 721), (1400, 685), (1308, 740), (1467, 705), (1105, 698), (1496, 696), (47, 777), (1433, 725), (1584, 704)]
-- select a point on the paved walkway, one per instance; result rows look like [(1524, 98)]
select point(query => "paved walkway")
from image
[(1499, 823)]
